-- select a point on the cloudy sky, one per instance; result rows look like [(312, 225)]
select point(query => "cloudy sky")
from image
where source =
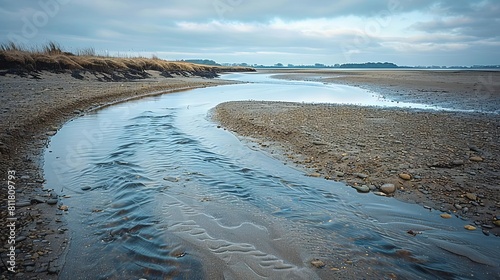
[(406, 32)]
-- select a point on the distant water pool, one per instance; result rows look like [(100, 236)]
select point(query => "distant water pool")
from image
[(173, 196)]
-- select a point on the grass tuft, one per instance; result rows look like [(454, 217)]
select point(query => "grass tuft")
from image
[(51, 57)]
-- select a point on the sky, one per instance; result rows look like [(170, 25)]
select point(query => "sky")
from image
[(405, 32)]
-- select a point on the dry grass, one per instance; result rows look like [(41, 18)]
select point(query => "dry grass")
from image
[(52, 58)]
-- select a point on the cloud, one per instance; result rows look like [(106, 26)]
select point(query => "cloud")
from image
[(299, 31)]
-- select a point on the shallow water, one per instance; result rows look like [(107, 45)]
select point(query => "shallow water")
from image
[(173, 196)]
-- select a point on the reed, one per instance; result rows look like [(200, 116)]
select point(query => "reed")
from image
[(52, 57)]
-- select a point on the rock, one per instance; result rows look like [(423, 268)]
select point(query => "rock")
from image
[(469, 227), (457, 162), (37, 200), (315, 174), (340, 174), (496, 223), (319, 143), (458, 206), (85, 188), (445, 216), (318, 263), (23, 204), (20, 238), (474, 149), (388, 188), (405, 176), (52, 201), (476, 159), (362, 188), (51, 133), (64, 207), (471, 196)]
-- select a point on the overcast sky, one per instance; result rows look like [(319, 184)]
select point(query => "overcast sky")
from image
[(406, 32)]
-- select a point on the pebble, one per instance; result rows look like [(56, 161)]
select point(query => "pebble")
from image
[(318, 263), (471, 196), (316, 175), (37, 200), (52, 201), (445, 216), (388, 188), (496, 223), (405, 176), (64, 207), (469, 227), (51, 133), (23, 204), (340, 174), (362, 188), (476, 159), (86, 188), (458, 206), (20, 238), (474, 148), (457, 162)]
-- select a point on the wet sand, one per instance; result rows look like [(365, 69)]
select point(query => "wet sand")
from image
[(446, 161), (30, 111), (464, 89)]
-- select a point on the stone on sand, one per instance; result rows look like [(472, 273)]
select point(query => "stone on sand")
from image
[(405, 176), (388, 188)]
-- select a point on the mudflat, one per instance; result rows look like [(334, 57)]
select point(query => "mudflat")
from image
[(454, 89), (443, 160), (32, 108)]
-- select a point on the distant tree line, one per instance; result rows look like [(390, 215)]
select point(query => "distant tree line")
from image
[(202, 61), (369, 65)]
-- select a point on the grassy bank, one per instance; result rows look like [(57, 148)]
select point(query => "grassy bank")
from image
[(52, 57)]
